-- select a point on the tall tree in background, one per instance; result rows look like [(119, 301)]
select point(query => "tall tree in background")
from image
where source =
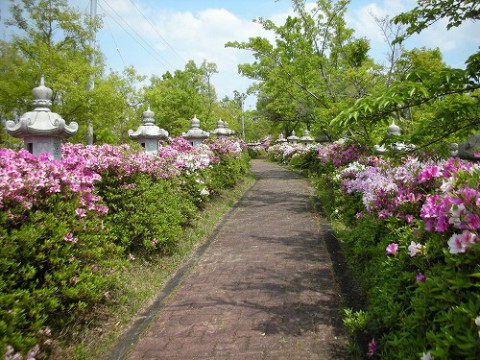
[(177, 98), (315, 68), (115, 106), (446, 99)]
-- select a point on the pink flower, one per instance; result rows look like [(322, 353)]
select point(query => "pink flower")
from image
[(392, 249), (80, 212), (429, 172), (69, 238), (154, 241), (409, 218), (372, 348), (420, 278), (458, 243), (131, 257)]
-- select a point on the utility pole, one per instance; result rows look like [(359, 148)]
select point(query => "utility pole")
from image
[(243, 122), (93, 15), (243, 96)]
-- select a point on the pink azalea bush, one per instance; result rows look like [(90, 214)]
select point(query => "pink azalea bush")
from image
[(431, 210), (413, 239), (69, 227)]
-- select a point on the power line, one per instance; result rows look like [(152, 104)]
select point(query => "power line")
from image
[(117, 48), (152, 52), (157, 32)]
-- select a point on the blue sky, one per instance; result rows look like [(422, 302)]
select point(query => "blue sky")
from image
[(159, 35)]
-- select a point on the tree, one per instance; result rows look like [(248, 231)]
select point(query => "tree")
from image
[(447, 99), (428, 12), (115, 106), (315, 68), (177, 98)]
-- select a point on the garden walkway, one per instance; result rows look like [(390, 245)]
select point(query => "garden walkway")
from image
[(262, 287)]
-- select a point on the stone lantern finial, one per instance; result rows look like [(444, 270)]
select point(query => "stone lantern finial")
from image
[(148, 134), (281, 139), (41, 129), (42, 95), (148, 116)]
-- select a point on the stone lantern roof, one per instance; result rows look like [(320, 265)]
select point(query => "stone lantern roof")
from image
[(148, 130), (222, 129), (293, 138), (306, 138), (41, 129), (41, 121), (195, 134)]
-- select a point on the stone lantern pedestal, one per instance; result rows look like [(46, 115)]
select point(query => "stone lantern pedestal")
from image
[(42, 130), (148, 135)]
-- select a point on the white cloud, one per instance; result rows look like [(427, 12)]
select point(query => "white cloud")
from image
[(194, 36), (455, 44)]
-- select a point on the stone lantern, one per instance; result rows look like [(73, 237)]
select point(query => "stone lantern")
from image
[(281, 139), (41, 129), (222, 129), (306, 138), (468, 150), (293, 138), (195, 135), (394, 129), (230, 132), (148, 135)]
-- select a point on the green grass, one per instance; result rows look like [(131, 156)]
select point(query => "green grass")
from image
[(144, 279)]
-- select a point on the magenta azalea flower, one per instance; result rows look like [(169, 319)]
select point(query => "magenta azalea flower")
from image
[(80, 212), (372, 348), (420, 278), (69, 238), (392, 249)]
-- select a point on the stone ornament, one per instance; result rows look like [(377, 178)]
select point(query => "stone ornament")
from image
[(41, 129), (195, 135), (148, 135)]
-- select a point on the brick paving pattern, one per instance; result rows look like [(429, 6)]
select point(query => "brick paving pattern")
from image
[(264, 289)]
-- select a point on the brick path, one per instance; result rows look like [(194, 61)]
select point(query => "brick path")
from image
[(263, 289)]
